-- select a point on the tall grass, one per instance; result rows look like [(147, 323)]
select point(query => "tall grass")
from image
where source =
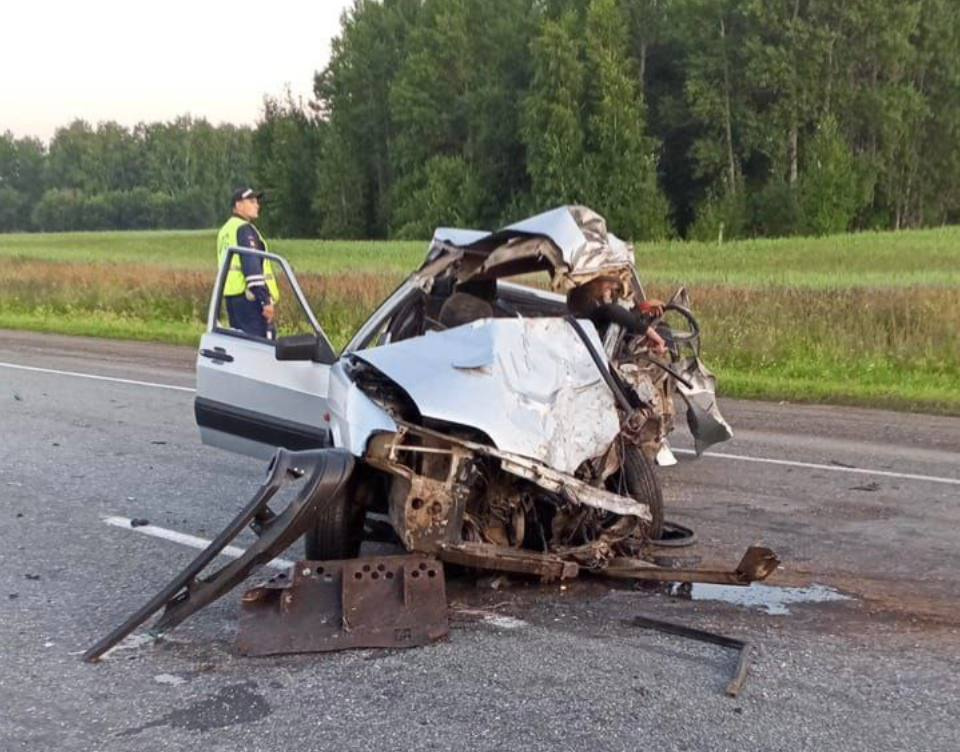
[(930, 258), (897, 346), (59, 296)]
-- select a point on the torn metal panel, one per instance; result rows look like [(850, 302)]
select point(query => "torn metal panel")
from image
[(548, 567), (323, 473), (528, 384), (757, 564), (703, 416), (427, 509), (566, 486), (372, 602), (354, 417)]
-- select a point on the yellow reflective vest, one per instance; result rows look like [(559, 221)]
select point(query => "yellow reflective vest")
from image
[(236, 283)]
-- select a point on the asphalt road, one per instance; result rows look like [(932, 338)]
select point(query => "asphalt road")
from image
[(865, 502)]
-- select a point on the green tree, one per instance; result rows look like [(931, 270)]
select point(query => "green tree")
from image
[(830, 188), (22, 180), (286, 148), (552, 128), (622, 158), (95, 160), (356, 167), (340, 200), (446, 192), (456, 95), (712, 33)]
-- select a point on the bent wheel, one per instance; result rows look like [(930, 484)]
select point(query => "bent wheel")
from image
[(637, 479)]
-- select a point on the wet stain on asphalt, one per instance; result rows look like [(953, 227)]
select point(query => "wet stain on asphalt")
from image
[(230, 706)]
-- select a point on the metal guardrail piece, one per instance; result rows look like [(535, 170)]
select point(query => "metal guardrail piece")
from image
[(322, 472), (371, 602)]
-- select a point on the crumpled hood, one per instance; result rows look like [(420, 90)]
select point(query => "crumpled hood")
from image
[(529, 384)]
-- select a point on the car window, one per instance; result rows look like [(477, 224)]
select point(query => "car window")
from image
[(239, 313), (539, 280)]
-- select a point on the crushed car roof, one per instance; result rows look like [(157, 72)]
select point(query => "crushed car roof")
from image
[(578, 244)]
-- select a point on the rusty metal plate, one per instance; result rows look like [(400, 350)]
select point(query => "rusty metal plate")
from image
[(371, 602)]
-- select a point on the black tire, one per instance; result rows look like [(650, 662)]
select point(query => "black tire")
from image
[(638, 480), (338, 531)]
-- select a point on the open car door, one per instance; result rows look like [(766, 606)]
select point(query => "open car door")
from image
[(255, 394)]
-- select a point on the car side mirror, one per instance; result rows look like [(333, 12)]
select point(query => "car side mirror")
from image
[(304, 347)]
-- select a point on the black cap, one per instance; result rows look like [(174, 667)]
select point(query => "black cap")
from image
[(241, 193)]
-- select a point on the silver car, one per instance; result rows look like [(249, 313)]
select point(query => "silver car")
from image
[(489, 427)]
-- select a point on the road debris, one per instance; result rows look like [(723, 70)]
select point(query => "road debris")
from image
[(322, 473), (389, 601), (370, 602), (744, 648)]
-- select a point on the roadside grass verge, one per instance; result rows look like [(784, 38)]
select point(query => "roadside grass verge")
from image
[(896, 347), (929, 258)]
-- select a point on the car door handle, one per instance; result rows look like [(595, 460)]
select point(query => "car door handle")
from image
[(218, 354)]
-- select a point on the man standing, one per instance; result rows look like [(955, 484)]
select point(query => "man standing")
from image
[(250, 290)]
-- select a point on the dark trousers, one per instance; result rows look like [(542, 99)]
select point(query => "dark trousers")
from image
[(246, 315)]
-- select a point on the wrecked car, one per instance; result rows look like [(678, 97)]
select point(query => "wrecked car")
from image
[(472, 419), (490, 427)]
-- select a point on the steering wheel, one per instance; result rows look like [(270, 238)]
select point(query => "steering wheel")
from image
[(682, 327)]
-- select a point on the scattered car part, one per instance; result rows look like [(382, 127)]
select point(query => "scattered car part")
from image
[(744, 648), (322, 472), (371, 602), (757, 564), (675, 535), (703, 416), (548, 567)]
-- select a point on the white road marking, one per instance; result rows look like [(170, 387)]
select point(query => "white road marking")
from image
[(97, 377), (502, 621), (185, 539), (816, 466), (718, 455), (172, 679)]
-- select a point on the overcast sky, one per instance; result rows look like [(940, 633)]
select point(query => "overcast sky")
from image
[(130, 61)]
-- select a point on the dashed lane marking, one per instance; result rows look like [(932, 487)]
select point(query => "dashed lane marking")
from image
[(97, 377), (816, 466), (185, 539)]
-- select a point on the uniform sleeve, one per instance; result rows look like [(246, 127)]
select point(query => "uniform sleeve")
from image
[(611, 313), (248, 237)]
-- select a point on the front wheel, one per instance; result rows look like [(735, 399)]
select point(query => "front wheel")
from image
[(637, 479), (338, 531)]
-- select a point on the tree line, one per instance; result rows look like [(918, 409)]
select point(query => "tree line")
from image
[(156, 175), (671, 117)]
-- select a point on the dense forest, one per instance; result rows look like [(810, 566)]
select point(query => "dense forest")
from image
[(671, 117), (174, 175)]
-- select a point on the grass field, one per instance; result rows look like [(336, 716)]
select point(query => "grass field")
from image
[(869, 319)]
